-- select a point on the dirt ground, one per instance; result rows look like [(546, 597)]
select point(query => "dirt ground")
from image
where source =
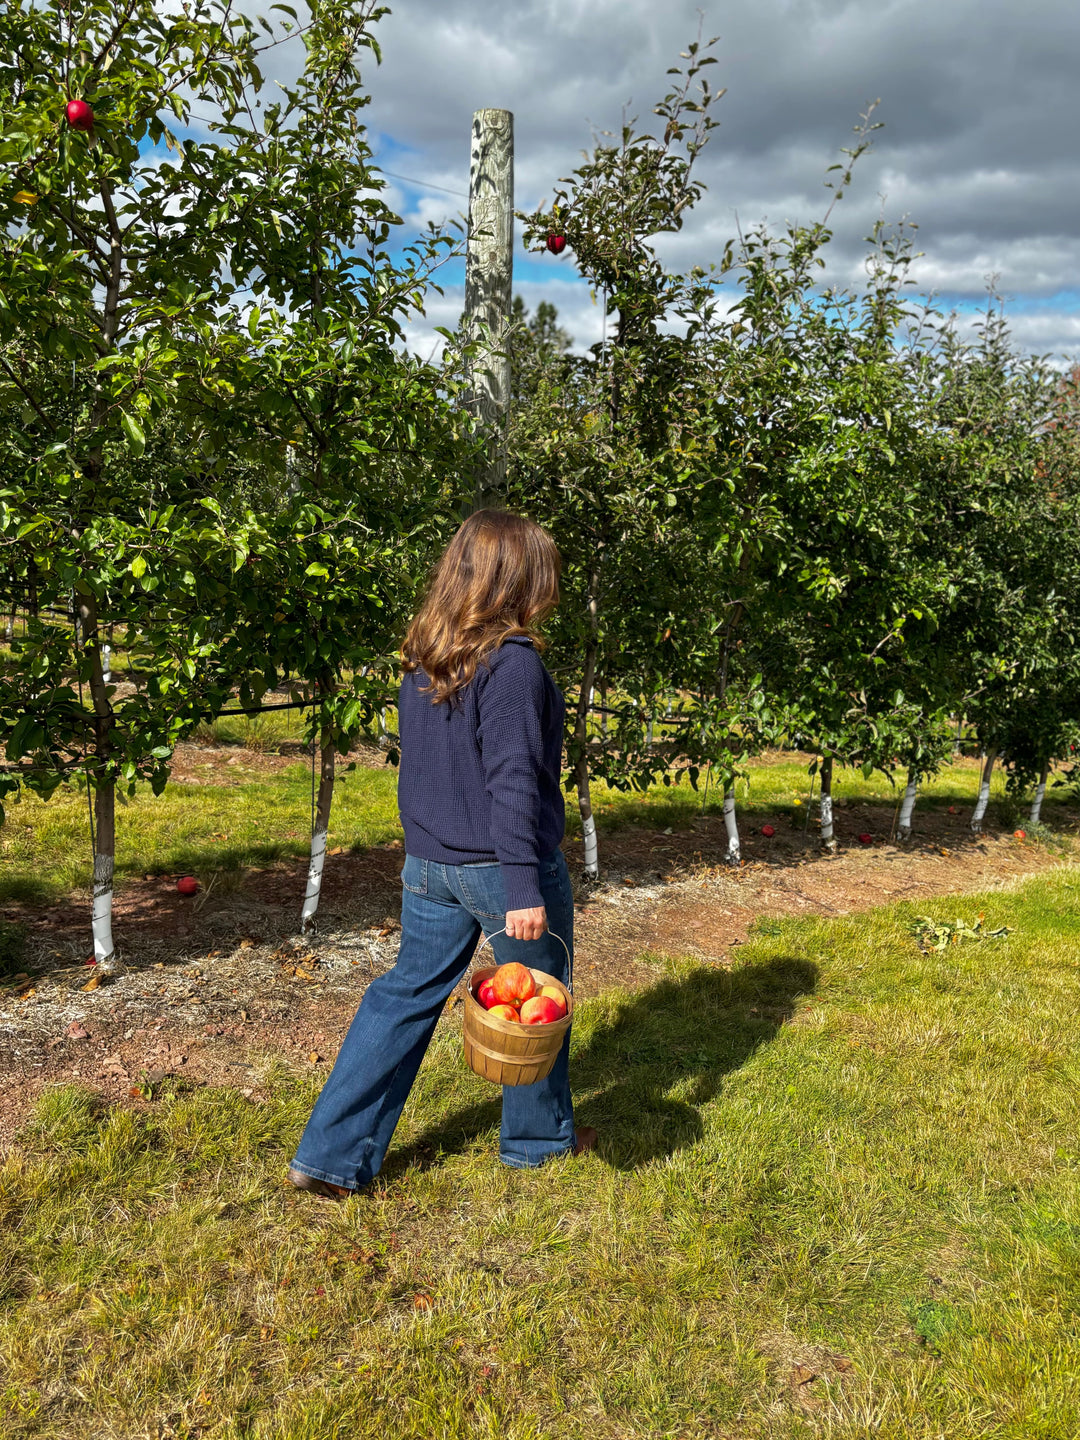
[(216, 989)]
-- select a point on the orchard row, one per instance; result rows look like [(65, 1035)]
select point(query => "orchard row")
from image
[(785, 511)]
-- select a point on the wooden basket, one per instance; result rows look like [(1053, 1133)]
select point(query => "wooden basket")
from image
[(505, 1051)]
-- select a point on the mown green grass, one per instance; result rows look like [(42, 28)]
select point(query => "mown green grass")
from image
[(842, 1142), (45, 846), (203, 829)]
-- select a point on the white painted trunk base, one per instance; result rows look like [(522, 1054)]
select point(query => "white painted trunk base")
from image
[(314, 879), (907, 808), (101, 921), (827, 836), (984, 793), (592, 852), (1040, 796), (731, 825)]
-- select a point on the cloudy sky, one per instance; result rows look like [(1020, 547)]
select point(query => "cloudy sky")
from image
[(978, 99)]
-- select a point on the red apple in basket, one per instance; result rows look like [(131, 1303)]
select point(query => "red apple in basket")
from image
[(485, 994), (513, 984), (504, 1012), (552, 992), (540, 1010)]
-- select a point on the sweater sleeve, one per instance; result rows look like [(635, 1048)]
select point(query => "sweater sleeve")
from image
[(511, 713)]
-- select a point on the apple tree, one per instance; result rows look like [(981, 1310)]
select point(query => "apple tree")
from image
[(199, 322)]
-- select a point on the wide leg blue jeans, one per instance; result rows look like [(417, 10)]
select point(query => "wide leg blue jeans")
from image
[(444, 911)]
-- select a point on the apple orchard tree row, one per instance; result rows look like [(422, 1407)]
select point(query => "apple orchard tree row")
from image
[(785, 513), (216, 446), (807, 514)]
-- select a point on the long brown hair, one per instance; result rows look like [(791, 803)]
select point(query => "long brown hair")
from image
[(498, 577)]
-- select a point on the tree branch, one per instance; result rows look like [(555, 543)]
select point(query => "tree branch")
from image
[(29, 395)]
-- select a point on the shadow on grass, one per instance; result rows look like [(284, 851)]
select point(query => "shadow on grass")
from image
[(646, 1069)]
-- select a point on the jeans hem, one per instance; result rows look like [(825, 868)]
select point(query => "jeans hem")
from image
[(327, 1175), (515, 1162)]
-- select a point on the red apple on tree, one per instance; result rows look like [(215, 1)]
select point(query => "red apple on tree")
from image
[(556, 244), (79, 115), (513, 984)]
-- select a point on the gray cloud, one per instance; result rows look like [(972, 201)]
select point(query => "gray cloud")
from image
[(977, 100)]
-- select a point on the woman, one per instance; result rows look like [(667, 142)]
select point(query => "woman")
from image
[(480, 723)]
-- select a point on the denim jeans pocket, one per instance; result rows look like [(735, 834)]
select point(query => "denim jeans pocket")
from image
[(414, 875), (482, 890)]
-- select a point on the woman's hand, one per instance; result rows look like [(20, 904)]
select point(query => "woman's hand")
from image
[(526, 924)]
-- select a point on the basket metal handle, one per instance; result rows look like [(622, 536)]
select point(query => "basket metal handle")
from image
[(569, 958)]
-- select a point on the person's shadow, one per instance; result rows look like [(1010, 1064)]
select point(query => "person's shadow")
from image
[(641, 1072)]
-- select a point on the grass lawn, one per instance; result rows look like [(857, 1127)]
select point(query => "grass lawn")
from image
[(842, 1159), (45, 847)]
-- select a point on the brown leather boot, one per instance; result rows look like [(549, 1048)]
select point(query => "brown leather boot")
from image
[(584, 1140), (319, 1187)]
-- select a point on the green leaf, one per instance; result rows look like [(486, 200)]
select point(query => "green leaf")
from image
[(138, 567), (134, 432)]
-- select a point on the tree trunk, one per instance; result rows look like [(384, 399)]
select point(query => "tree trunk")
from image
[(581, 739), (104, 788), (488, 288), (907, 806), (104, 866), (323, 804), (89, 633), (828, 838), (1040, 795), (984, 792), (731, 825)]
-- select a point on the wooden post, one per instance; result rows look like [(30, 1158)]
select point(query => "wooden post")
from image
[(488, 288)]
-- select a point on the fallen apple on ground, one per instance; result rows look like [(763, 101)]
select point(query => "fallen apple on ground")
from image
[(513, 984), (540, 1010), (187, 885), (768, 831), (866, 839)]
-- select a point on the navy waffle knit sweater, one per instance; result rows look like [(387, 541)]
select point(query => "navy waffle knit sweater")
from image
[(479, 777)]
